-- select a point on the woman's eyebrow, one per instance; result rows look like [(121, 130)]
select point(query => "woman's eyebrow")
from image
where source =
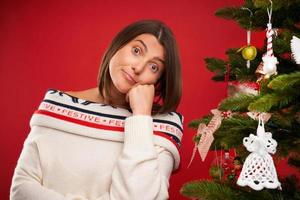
[(143, 43), (146, 49), (159, 59)]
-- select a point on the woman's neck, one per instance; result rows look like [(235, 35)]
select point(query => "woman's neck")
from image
[(115, 98)]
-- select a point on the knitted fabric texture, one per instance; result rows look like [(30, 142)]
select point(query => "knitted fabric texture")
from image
[(64, 112)]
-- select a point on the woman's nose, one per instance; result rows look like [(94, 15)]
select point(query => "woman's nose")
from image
[(138, 67)]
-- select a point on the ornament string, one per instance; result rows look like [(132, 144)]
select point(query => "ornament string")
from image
[(270, 32), (248, 43), (227, 74), (269, 10), (227, 77), (218, 162)]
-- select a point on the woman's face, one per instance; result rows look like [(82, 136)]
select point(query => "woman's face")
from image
[(141, 61)]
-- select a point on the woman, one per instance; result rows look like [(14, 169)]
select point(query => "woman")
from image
[(117, 141)]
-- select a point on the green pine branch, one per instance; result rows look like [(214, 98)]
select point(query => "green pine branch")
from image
[(208, 190), (238, 68), (195, 123), (233, 130), (275, 100), (238, 103), (277, 4), (284, 119), (285, 14), (294, 161), (214, 64), (265, 103), (237, 64), (282, 42), (218, 66), (285, 81), (264, 89), (290, 188)]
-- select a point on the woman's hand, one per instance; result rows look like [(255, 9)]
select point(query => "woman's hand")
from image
[(140, 99)]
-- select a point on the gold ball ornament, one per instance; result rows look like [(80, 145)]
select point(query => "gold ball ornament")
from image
[(249, 52)]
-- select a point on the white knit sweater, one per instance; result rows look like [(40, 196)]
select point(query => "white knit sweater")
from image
[(80, 150)]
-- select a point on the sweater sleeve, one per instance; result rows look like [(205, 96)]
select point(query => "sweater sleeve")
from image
[(143, 169)]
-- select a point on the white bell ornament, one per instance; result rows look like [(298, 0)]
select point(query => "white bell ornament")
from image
[(258, 170), (295, 47)]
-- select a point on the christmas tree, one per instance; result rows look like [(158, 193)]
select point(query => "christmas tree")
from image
[(263, 99)]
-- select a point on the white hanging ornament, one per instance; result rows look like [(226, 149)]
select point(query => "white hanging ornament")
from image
[(269, 61), (295, 47), (258, 170)]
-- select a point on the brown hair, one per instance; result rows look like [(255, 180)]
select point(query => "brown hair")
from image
[(169, 86)]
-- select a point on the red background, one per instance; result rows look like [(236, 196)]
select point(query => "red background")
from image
[(59, 44)]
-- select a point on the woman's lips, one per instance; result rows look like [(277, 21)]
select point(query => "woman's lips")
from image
[(129, 77)]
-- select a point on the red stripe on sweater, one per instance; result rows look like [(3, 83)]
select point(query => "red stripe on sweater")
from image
[(77, 121), (99, 126)]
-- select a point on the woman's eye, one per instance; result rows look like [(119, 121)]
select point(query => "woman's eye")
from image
[(136, 50), (154, 67)]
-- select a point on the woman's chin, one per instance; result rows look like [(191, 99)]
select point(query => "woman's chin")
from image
[(123, 90), (118, 89)]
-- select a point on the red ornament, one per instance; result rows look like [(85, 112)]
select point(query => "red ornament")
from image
[(226, 114), (236, 87)]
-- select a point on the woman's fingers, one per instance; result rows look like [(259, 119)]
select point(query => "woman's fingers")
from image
[(140, 98)]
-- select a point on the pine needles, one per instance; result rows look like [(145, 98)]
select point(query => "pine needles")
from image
[(239, 103), (286, 81), (208, 190)]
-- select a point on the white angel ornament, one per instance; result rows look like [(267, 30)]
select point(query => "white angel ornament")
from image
[(295, 47), (259, 170)]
